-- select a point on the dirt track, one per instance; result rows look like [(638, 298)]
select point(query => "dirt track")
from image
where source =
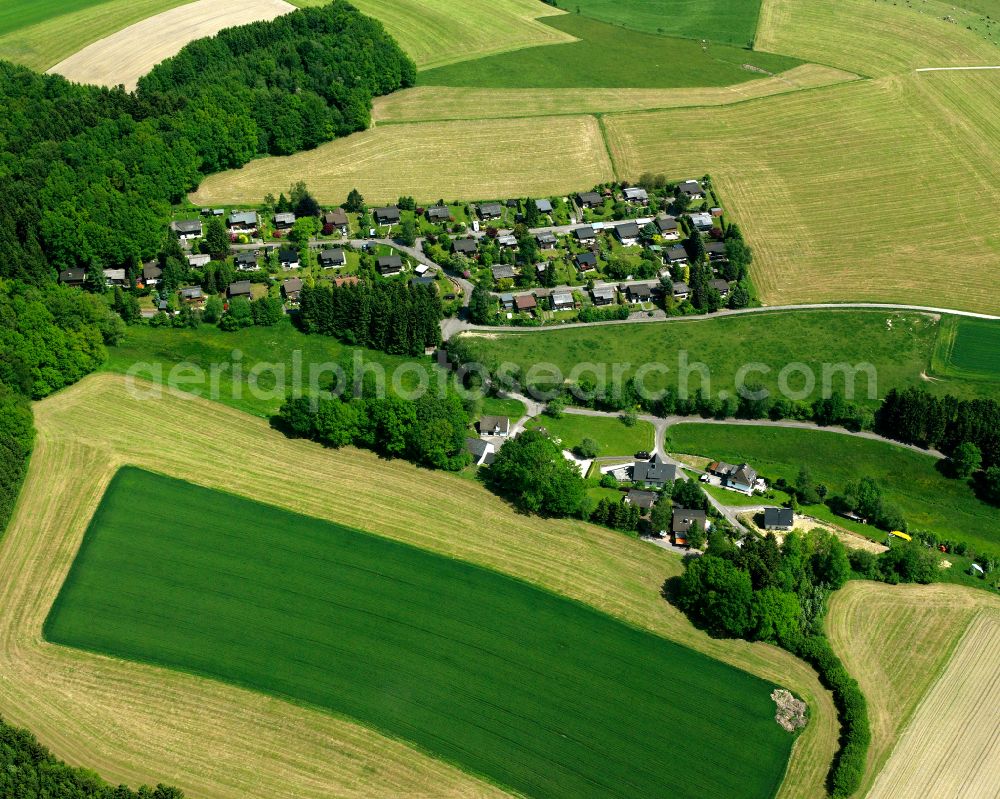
[(125, 56)]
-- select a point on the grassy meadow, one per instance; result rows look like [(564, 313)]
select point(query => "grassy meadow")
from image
[(899, 352), (606, 55), (727, 21), (533, 692), (968, 348), (612, 436), (910, 480)]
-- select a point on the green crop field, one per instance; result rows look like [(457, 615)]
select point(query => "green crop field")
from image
[(899, 351), (16, 14), (910, 480), (534, 692), (613, 436), (729, 21), (968, 348), (599, 59)]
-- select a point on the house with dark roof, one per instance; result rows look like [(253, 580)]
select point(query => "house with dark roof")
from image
[(604, 295), (292, 288), (639, 293), (544, 206), (562, 301), (546, 240), (590, 199), (716, 251), (389, 265), (525, 303), (721, 286), (741, 478), (115, 277), (241, 288), (683, 520), (246, 261), (676, 255), (627, 233), (585, 261), (332, 257), (73, 277), (337, 220), (498, 426), (243, 220), (389, 215), (151, 274), (653, 473), (192, 294), (288, 257), (667, 225), (644, 500), (503, 272), (691, 189), (438, 213), (489, 210), (779, 518), (482, 451), (680, 290), (187, 229), (507, 301), (465, 246), (284, 221), (635, 194), (585, 233)]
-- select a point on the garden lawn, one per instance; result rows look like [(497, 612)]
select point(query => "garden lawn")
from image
[(609, 56), (612, 435), (513, 409), (728, 21), (899, 352), (910, 480), (536, 693)]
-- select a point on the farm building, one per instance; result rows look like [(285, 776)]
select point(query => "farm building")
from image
[(778, 518), (332, 257), (494, 426), (389, 265), (388, 215), (654, 472), (243, 220), (187, 229)]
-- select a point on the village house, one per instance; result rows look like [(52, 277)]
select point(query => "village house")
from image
[(192, 295), (241, 288), (292, 288), (586, 233), (242, 221), (198, 259), (654, 473), (682, 522), (738, 478), (627, 233), (464, 246), (585, 261), (336, 220), (388, 215), (691, 189), (389, 265), (667, 226), (332, 258), (635, 194), (590, 199), (546, 240), (503, 272), (543, 206), (288, 257), (115, 277), (779, 518), (482, 451), (438, 213), (602, 295), (525, 303), (73, 277), (720, 286), (507, 301), (489, 211), (284, 221), (151, 274), (507, 240), (187, 229), (246, 261), (562, 301), (643, 500), (702, 220), (680, 290), (494, 426), (676, 255), (639, 293)]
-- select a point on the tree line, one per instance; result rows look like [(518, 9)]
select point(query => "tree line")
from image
[(30, 771), (88, 174), (391, 316)]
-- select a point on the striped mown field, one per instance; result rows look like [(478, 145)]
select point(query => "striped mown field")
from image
[(968, 348), (133, 722)]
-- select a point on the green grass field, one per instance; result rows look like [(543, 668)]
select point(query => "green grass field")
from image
[(608, 56), (968, 348), (909, 480), (728, 21), (724, 344), (17, 14), (531, 691), (496, 406), (612, 435)]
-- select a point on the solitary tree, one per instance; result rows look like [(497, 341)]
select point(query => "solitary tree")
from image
[(966, 459)]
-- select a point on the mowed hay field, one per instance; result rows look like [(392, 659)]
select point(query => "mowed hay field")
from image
[(136, 723), (951, 749), (125, 56), (500, 678), (439, 32), (968, 347), (896, 641), (510, 157)]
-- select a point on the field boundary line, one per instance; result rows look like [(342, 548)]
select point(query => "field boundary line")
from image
[(952, 69), (607, 145)]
